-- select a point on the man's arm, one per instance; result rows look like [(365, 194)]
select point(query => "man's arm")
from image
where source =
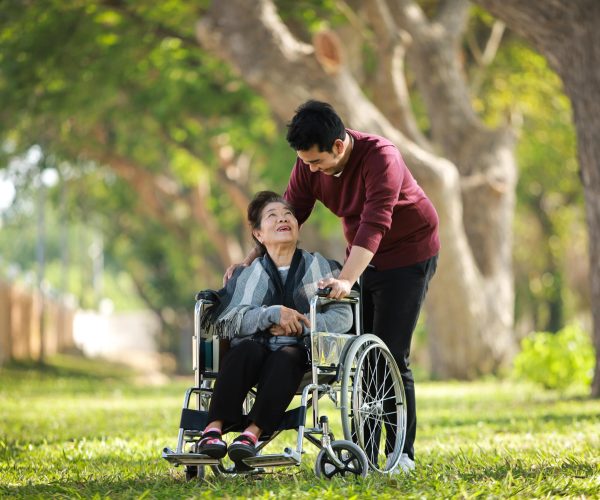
[(357, 262), (382, 186)]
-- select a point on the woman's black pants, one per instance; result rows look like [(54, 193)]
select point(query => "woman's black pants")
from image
[(276, 375)]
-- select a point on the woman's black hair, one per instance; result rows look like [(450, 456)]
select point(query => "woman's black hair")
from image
[(256, 207), (315, 123)]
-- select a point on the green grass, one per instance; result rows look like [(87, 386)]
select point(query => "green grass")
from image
[(82, 429)]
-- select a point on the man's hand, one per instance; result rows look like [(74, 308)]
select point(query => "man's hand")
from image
[(253, 254), (230, 270), (340, 288), (290, 323)]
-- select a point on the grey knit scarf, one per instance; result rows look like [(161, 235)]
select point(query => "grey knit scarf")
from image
[(260, 285)]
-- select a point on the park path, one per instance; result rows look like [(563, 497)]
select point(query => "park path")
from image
[(129, 338)]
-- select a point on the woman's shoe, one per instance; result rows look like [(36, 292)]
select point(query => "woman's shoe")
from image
[(242, 447), (212, 444)]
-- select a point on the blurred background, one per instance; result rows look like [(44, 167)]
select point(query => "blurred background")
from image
[(133, 134)]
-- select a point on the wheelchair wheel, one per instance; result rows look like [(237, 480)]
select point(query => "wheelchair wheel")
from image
[(193, 472), (373, 402), (354, 460)]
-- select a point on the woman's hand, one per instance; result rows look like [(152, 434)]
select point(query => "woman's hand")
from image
[(290, 323)]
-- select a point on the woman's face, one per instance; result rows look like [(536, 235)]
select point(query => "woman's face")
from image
[(277, 225)]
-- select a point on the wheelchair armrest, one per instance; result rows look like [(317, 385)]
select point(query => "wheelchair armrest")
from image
[(210, 295)]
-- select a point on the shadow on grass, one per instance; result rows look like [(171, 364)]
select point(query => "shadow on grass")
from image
[(569, 468), (124, 488), (517, 422), (172, 486), (73, 366)]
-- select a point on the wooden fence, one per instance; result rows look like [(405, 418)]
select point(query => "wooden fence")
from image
[(32, 325)]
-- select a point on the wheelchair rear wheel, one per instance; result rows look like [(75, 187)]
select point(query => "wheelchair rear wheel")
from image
[(194, 472), (373, 402)]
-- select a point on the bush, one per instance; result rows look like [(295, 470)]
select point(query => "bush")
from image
[(556, 360)]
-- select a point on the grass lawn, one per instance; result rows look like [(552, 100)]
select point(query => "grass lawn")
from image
[(83, 429)]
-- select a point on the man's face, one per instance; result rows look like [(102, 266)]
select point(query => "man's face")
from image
[(326, 162)]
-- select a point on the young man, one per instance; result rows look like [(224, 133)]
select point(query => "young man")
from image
[(390, 225)]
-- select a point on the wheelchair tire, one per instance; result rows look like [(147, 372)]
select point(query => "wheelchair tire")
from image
[(194, 472), (354, 460), (373, 402)]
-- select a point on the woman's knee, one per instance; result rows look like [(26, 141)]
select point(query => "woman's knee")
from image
[(288, 360)]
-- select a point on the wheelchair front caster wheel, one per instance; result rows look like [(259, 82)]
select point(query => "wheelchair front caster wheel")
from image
[(349, 454), (193, 472)]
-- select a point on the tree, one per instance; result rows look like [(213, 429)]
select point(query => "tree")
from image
[(95, 87), (467, 168), (153, 136), (161, 144), (566, 33)]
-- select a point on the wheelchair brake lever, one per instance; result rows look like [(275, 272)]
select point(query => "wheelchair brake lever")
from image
[(324, 292)]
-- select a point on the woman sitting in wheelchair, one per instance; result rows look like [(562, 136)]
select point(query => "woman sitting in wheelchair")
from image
[(263, 311)]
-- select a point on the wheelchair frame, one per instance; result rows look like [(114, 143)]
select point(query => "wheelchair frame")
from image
[(359, 405)]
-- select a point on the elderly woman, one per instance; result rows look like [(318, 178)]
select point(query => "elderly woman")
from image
[(263, 310)]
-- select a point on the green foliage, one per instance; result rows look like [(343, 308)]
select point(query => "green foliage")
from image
[(521, 89), (77, 429), (556, 360), (98, 83)]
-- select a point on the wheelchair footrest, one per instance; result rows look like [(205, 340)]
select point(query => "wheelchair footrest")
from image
[(188, 458), (288, 457)]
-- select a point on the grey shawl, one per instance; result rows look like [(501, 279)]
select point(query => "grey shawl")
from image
[(260, 285)]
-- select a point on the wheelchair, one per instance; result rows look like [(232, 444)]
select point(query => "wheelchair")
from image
[(355, 371)]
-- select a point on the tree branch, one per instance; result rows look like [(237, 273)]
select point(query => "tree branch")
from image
[(234, 28), (434, 57), (228, 250), (453, 16), (390, 92), (231, 170), (409, 16), (485, 58), (159, 29), (518, 14)]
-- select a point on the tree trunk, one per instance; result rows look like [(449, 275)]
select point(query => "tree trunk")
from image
[(471, 300), (566, 33)]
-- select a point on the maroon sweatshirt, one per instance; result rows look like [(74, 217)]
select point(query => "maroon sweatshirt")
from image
[(382, 207)]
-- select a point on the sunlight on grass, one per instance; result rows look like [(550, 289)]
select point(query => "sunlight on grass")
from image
[(78, 428)]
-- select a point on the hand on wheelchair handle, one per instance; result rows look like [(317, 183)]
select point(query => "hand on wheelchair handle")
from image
[(336, 288)]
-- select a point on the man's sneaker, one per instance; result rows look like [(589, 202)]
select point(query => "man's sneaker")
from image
[(405, 465)]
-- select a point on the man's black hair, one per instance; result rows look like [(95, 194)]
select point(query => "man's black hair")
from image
[(315, 123)]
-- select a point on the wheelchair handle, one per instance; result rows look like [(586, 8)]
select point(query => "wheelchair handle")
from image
[(322, 293)]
